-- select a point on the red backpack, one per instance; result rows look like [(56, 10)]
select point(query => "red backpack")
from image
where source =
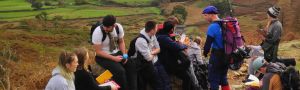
[(233, 42)]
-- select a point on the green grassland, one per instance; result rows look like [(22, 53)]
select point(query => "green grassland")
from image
[(134, 2), (14, 10)]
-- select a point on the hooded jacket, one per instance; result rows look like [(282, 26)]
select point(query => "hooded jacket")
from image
[(145, 48), (58, 82), (271, 80)]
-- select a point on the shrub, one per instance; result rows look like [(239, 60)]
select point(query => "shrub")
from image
[(223, 7), (180, 12), (80, 2), (37, 5)]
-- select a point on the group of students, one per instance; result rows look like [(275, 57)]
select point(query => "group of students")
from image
[(153, 56), (74, 72)]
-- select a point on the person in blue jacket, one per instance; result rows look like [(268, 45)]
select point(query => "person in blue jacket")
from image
[(217, 67)]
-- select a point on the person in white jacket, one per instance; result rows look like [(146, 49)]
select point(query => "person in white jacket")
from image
[(63, 75), (147, 48)]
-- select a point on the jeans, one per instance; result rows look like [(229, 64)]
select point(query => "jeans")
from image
[(123, 75)]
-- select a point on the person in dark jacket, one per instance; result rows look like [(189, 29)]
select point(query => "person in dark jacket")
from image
[(272, 34), (170, 54), (84, 79), (271, 79)]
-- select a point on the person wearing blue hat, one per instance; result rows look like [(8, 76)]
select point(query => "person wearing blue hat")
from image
[(217, 67)]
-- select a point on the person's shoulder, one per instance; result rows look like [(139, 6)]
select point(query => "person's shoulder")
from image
[(141, 40), (58, 80), (214, 25), (98, 30), (80, 72), (119, 25)]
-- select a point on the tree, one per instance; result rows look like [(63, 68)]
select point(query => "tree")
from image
[(61, 3), (42, 19), (224, 7), (42, 16), (80, 2), (180, 12), (36, 4)]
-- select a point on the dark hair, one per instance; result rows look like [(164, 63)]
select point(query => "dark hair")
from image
[(109, 20), (168, 27), (150, 25)]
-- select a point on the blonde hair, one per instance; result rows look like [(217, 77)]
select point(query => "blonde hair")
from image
[(82, 58), (66, 58)]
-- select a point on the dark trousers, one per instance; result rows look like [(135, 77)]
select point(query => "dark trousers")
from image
[(122, 74), (164, 82), (183, 74), (217, 70), (146, 75)]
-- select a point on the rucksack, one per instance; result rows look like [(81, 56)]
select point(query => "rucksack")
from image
[(289, 75), (201, 72), (139, 60), (97, 24), (233, 41), (290, 78), (131, 50)]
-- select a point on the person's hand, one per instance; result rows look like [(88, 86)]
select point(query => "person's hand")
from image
[(263, 38), (125, 61), (113, 87), (125, 56), (118, 58)]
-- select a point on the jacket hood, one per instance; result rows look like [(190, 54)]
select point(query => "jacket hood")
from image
[(143, 32), (275, 68), (55, 71)]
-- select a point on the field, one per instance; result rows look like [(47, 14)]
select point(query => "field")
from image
[(24, 11)]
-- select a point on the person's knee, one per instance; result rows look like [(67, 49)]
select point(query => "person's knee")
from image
[(121, 71)]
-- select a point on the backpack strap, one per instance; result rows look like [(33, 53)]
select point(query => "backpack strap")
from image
[(117, 29), (143, 36), (104, 33)]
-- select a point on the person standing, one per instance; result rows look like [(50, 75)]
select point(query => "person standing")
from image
[(271, 35), (217, 67)]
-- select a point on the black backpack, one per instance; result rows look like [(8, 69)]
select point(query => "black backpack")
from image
[(131, 50), (201, 72), (94, 26), (139, 60), (289, 75), (290, 78)]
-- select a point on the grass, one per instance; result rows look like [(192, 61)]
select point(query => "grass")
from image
[(15, 10), (77, 12), (202, 4), (134, 2), (19, 5)]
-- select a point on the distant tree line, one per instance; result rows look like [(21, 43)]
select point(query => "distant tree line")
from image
[(38, 4)]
